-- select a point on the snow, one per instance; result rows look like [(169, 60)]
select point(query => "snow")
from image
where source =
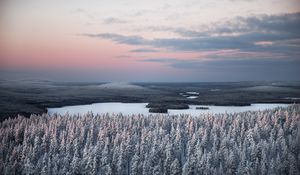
[(192, 97), (214, 90), (267, 88), (184, 95), (140, 108), (292, 98), (192, 93), (124, 108)]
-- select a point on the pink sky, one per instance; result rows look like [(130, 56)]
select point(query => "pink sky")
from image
[(47, 35)]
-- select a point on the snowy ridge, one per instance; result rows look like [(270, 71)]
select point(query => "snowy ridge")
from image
[(120, 85)]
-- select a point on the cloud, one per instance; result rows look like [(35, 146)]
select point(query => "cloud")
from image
[(240, 33), (176, 63), (160, 60), (235, 69), (246, 34), (166, 6), (144, 50), (123, 56), (130, 40), (242, 0), (112, 20), (275, 24), (182, 44), (245, 63), (287, 25), (78, 10)]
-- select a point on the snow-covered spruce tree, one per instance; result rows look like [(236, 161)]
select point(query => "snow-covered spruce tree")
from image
[(258, 142)]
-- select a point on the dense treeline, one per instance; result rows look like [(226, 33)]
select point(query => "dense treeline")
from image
[(264, 142)]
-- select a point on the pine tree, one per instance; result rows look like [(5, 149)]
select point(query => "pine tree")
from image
[(146, 166), (157, 170), (169, 158), (135, 165), (175, 168), (244, 143), (94, 167), (28, 167), (75, 165)]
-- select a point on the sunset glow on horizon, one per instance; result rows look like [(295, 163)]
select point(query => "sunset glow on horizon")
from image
[(170, 40)]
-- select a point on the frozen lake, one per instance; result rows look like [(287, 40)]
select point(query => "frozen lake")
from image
[(140, 108)]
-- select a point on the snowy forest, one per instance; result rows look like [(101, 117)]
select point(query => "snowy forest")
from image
[(257, 142)]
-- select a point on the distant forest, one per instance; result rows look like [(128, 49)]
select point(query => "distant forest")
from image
[(257, 142)]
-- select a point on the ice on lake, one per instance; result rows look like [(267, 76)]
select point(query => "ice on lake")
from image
[(140, 108), (192, 97), (192, 93)]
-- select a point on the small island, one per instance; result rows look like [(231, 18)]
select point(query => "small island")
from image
[(202, 108), (158, 110), (167, 105)]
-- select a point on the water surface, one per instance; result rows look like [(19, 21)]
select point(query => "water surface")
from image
[(140, 108)]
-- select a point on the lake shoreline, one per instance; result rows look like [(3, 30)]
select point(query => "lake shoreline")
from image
[(66, 104), (34, 97), (141, 108)]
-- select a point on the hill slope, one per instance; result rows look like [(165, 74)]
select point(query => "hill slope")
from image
[(264, 142)]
